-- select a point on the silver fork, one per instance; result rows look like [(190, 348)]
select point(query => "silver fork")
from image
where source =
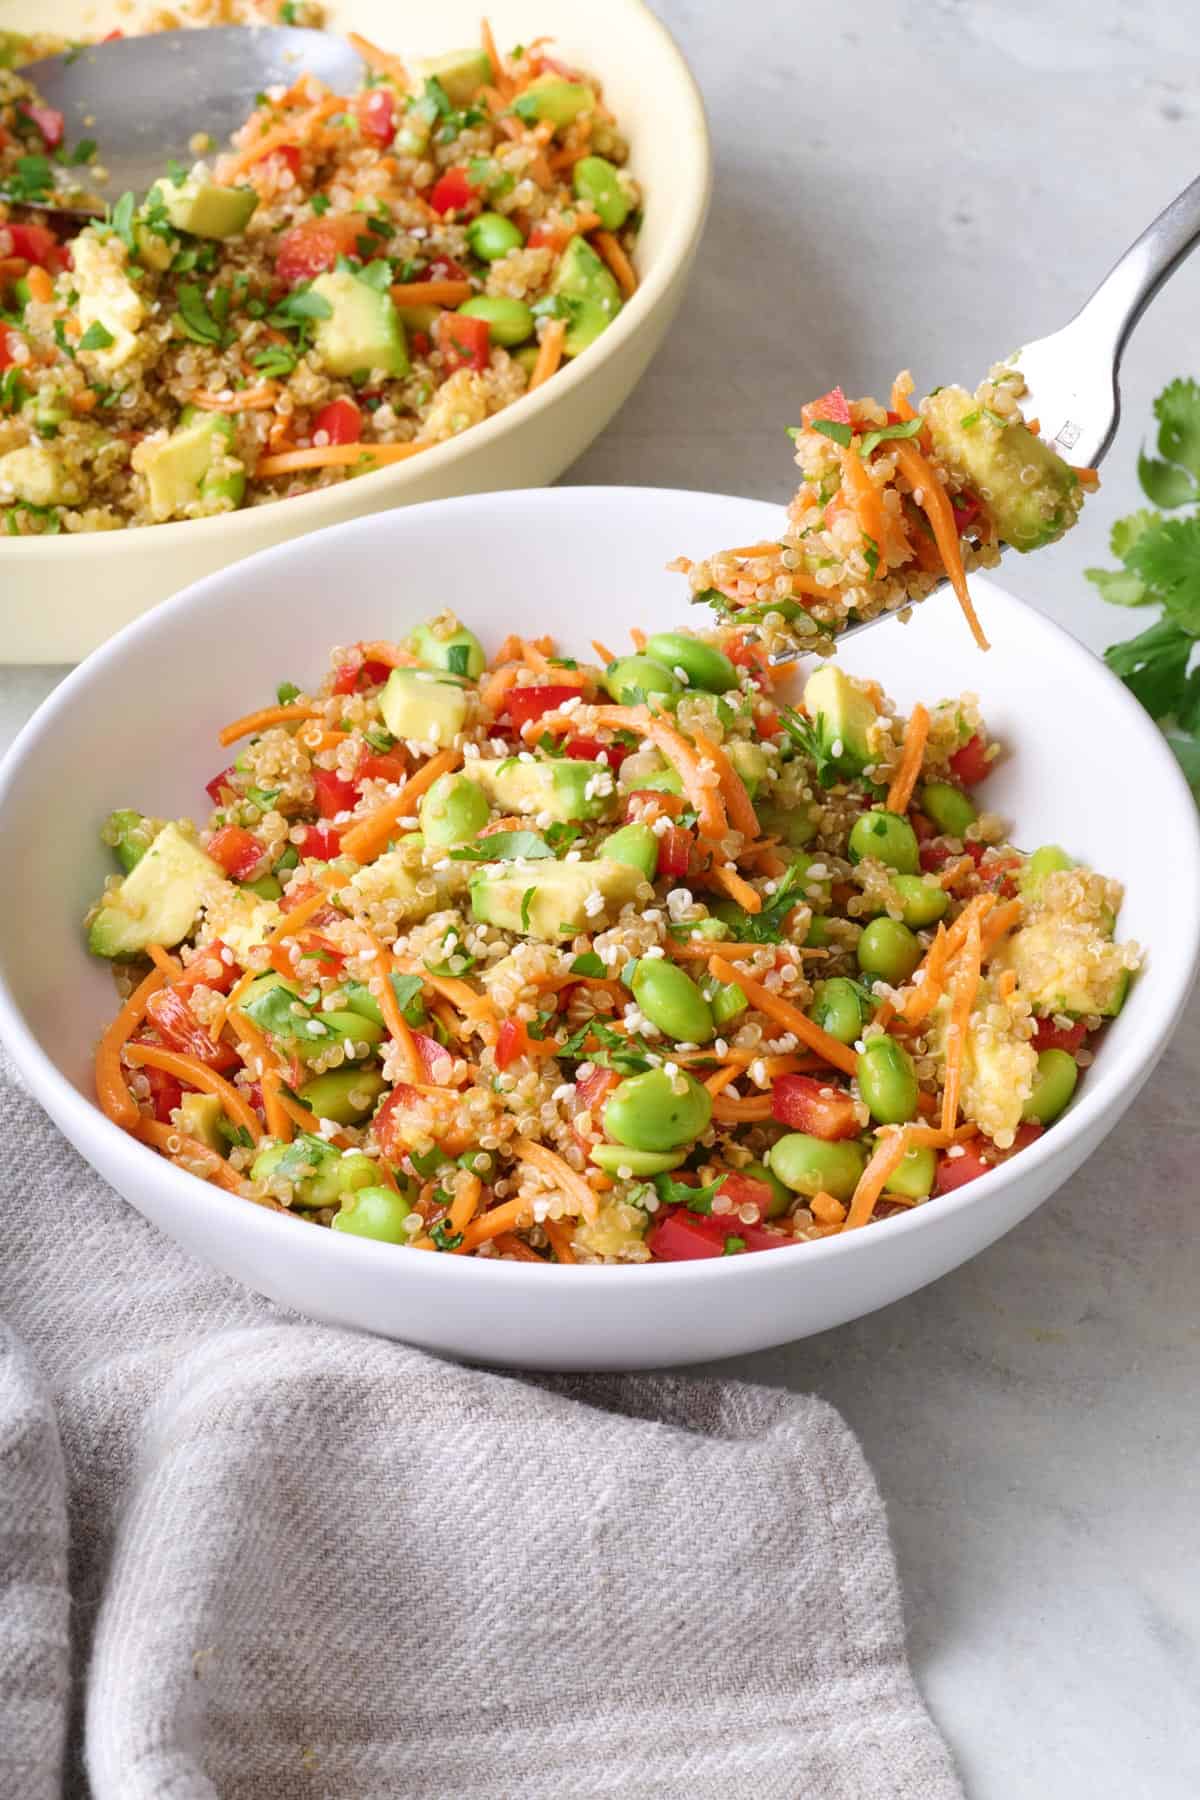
[(1073, 376)]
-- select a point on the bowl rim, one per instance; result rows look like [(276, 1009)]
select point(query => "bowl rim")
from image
[(684, 227), (61, 1099)]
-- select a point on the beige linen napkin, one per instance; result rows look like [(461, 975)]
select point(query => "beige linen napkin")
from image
[(247, 1558)]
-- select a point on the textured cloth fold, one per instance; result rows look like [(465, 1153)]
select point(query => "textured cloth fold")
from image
[(308, 1563)]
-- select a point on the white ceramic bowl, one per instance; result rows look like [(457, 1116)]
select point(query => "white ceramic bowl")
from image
[(62, 596), (136, 725)]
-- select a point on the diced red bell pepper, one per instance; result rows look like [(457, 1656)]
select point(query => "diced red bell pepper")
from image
[(1049, 1036), (166, 1092), (377, 115), (110, 37), (935, 853), (340, 421), (817, 1107), (522, 704), (420, 343), (747, 653), (236, 850), (36, 243), (644, 805), (381, 768), (435, 1058), (445, 268), (971, 762), (682, 1236), (833, 406), (314, 246), (674, 851), (350, 676), (7, 340), (463, 341), (334, 795), (288, 155), (319, 842), (967, 511), (586, 749), (49, 121), (211, 968), (511, 1041), (978, 1156), (590, 1095), (220, 785), (178, 1027), (453, 192), (550, 237), (745, 1190)]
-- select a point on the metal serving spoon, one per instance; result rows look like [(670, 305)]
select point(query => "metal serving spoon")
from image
[(1073, 376), (144, 100)]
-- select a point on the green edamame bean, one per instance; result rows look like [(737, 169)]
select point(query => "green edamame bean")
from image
[(374, 1212), (266, 887), (458, 652), (923, 901), (631, 678), (647, 1113), (837, 1008), (454, 810), (948, 808), (704, 667), (781, 1197), (1047, 860), (817, 937), (635, 845), (913, 1176), (792, 825), (1053, 1085), (812, 1165), (727, 1001), (319, 1174), (887, 1081), (598, 185), (815, 890), (349, 1029), (889, 838), (510, 321), (346, 1096), (613, 1158), (671, 1000), (492, 236), (888, 951)]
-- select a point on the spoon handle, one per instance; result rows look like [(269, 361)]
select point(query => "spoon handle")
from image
[(1134, 280)]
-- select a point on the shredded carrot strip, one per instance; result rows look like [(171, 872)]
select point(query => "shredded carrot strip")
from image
[(511, 1245), (494, 690), (431, 293), (603, 651), (550, 353), (393, 1018), (916, 736), (491, 1223), (770, 547), (1006, 985), (381, 62), (256, 399), (753, 1110), (742, 815), (41, 287), (560, 1172), (838, 1056), (462, 1211), (936, 1139), (721, 1078), (902, 387), (639, 638), (610, 249), (365, 840), (1000, 922), (298, 918), (867, 502), (737, 887), (289, 133), (501, 78), (166, 965), (279, 1125), (953, 873), (965, 987), (198, 1075), (935, 504), (706, 799), (335, 455), (379, 650), (921, 998), (264, 717), (826, 1210), (560, 1240), (214, 1166), (112, 1090), (888, 1154)]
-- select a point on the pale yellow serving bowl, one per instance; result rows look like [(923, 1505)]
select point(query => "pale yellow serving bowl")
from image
[(62, 596)]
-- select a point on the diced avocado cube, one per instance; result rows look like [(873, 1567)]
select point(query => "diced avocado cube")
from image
[(843, 715), (158, 900), (550, 900), (200, 1116), (461, 72), (390, 878), (37, 474), (129, 835), (794, 825), (107, 298), (588, 289), (1031, 495), (552, 99), (560, 786), (204, 208), (449, 647), (750, 763), (363, 331), (192, 472), (423, 707)]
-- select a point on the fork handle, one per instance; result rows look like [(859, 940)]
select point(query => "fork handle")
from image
[(1132, 283)]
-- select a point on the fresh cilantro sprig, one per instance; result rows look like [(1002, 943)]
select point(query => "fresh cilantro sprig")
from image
[(812, 737), (1160, 567)]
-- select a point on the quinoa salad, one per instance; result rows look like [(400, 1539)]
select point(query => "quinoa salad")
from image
[(358, 278), (525, 957), (893, 500)]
